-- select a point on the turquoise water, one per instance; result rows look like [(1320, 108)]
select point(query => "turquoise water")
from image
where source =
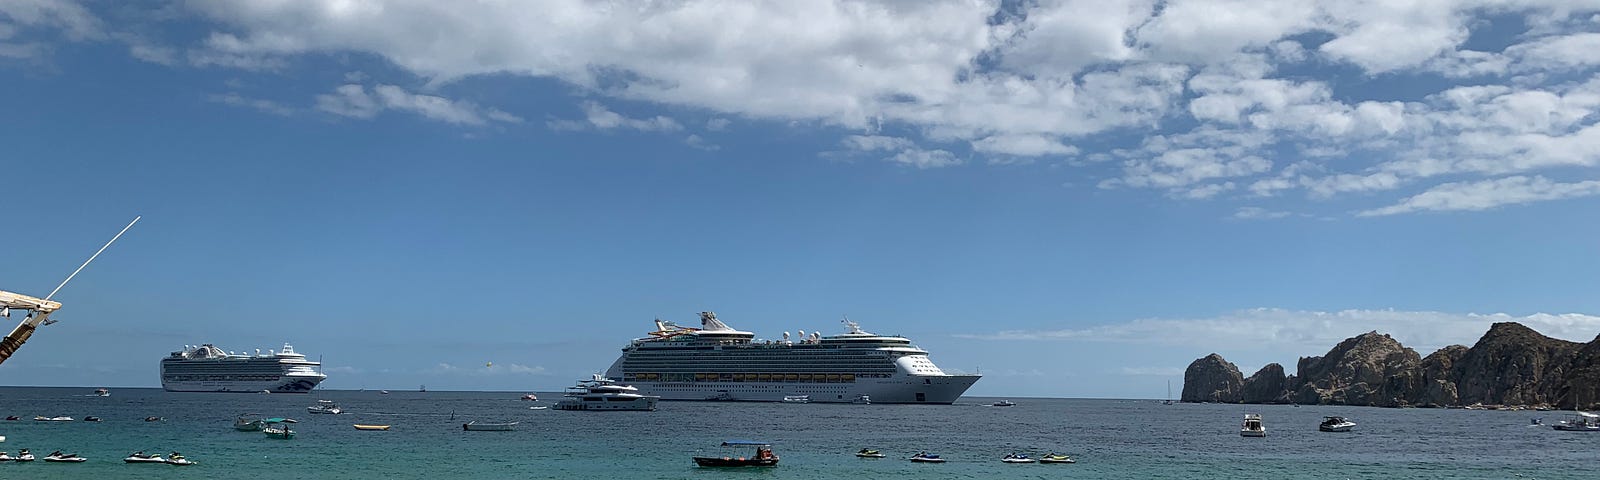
[(1110, 439)]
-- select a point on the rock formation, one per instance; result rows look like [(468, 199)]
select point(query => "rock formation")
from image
[(1212, 379), (1510, 365)]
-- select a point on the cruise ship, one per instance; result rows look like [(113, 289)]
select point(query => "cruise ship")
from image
[(206, 368), (717, 362)]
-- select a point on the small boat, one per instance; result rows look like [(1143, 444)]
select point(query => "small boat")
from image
[(763, 456), (474, 426), (141, 457), (1003, 403), (13, 418), (57, 418), (371, 427), (325, 407), (422, 388), (869, 453), (177, 460), (59, 457), (265, 392), (1056, 458), (153, 418), (249, 422), (101, 392), (383, 392), (531, 397), (23, 456), (537, 408), (278, 428), (925, 457), (796, 399), (1252, 426), (1580, 422), (1335, 424), (91, 418), (862, 399), (1018, 458)]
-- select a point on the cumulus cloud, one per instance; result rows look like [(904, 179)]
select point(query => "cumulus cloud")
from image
[(1487, 194), (1264, 328), (234, 99), (1233, 90), (1257, 213)]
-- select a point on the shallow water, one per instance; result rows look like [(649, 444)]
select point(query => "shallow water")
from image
[(1110, 439)]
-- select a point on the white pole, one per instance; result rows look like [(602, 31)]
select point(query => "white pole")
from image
[(92, 257)]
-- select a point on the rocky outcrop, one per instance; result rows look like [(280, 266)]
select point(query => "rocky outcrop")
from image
[(1510, 365), (1212, 379), (1268, 385)]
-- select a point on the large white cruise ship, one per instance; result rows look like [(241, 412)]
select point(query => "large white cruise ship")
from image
[(716, 362), (206, 368)]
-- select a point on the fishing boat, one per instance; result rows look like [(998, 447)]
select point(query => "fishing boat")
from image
[(925, 457), (870, 453), (1252, 426), (141, 457), (1335, 424), (474, 426), (59, 457), (763, 456), (249, 422), (1056, 458), (1017, 458), (1580, 422), (278, 428), (371, 427), (796, 399)]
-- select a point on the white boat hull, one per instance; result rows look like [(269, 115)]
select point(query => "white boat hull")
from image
[(284, 384), (941, 390), (1253, 433), (643, 403)]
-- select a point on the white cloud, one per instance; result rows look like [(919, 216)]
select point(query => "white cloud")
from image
[(694, 140), (1487, 194), (1271, 328), (234, 99), (717, 124), (353, 100), (870, 143), (1022, 145), (925, 159), (1257, 213), (597, 116)]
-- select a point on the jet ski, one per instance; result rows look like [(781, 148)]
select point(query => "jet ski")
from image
[(925, 457), (1056, 458), (5, 457), (57, 456), (23, 456), (868, 453), (1017, 458), (177, 459), (141, 457)]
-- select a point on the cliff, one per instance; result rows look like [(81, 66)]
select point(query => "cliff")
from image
[(1510, 365)]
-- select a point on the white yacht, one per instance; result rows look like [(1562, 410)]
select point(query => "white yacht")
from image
[(717, 362), (602, 394), (325, 407), (206, 368), (1335, 424), (1252, 426)]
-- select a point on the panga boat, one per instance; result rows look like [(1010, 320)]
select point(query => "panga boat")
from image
[(869, 453), (278, 428), (763, 456), (1252, 426), (141, 457), (1056, 458), (371, 427), (925, 457), (474, 426), (1335, 424), (249, 422), (57, 456), (1017, 458)]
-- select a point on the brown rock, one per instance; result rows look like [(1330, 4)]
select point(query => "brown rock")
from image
[(1212, 379)]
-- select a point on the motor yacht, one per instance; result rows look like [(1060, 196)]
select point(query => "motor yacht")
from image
[(1335, 424), (603, 394), (1252, 426)]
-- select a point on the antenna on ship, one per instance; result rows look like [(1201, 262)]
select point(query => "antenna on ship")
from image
[(39, 309)]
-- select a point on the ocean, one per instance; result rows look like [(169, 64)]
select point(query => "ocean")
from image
[(1110, 439)]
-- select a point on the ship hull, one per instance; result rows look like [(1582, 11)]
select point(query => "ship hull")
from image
[(936, 390), (282, 385)]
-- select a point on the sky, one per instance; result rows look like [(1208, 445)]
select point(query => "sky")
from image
[(1073, 198)]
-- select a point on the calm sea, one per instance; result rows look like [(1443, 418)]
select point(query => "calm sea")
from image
[(1110, 439)]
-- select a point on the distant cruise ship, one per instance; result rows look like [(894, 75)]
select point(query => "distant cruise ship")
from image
[(716, 362), (207, 368)]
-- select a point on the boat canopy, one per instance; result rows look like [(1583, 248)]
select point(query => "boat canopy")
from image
[(744, 443)]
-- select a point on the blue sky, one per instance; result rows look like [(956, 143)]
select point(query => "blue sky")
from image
[(1074, 198)]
